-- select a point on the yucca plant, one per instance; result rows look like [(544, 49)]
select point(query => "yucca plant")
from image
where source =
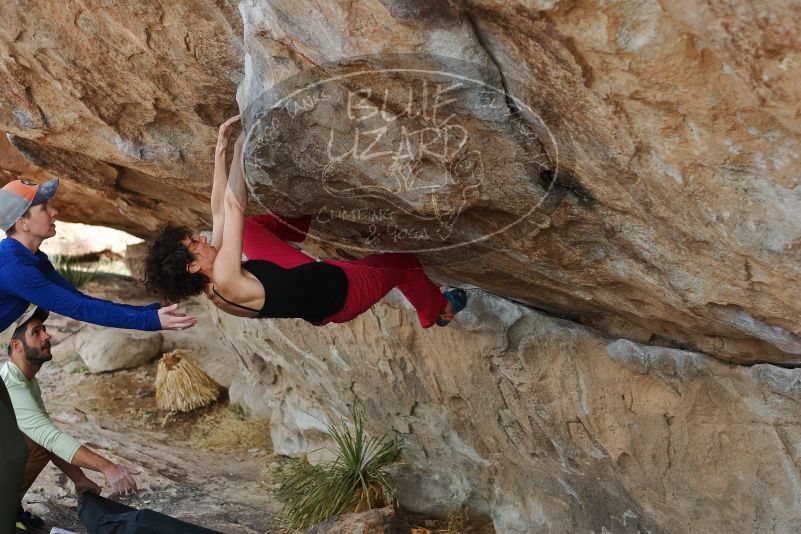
[(357, 480), (75, 275)]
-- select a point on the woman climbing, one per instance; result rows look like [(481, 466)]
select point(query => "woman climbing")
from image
[(278, 280)]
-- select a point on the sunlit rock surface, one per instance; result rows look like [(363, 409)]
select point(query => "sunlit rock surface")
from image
[(542, 424), (123, 99), (634, 170), (673, 131)]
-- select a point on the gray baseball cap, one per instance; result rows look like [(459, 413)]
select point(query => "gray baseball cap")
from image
[(30, 311), (17, 196)]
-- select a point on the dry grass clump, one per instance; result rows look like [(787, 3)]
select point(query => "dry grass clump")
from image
[(182, 386), (227, 429)]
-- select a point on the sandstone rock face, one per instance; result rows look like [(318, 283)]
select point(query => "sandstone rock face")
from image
[(378, 521), (630, 166), (122, 99), (656, 144), (540, 423), (672, 132)]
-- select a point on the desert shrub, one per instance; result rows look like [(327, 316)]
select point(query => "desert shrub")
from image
[(356, 480), (78, 275)]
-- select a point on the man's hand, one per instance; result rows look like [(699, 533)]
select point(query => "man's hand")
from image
[(224, 133), (83, 485), (174, 320), (120, 478)]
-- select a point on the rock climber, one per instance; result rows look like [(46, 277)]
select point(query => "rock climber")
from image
[(278, 280)]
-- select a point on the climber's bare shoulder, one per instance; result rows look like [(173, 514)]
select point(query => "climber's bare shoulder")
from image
[(234, 296)]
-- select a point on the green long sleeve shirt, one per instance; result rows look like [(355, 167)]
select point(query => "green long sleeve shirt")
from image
[(32, 418)]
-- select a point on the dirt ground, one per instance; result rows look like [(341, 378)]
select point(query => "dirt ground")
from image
[(115, 414), (184, 474)]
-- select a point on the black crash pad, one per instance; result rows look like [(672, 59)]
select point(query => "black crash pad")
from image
[(104, 516)]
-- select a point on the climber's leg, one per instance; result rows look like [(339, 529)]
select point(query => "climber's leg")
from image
[(259, 242), (372, 277)]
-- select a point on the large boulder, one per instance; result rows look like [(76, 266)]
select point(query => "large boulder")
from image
[(111, 349), (638, 176), (656, 144), (123, 100)]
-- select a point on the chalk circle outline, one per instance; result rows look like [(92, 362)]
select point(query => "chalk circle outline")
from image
[(500, 91)]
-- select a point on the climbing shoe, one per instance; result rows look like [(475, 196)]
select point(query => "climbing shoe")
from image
[(20, 528), (458, 298)]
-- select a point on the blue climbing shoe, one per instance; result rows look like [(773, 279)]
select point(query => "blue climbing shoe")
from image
[(458, 298)]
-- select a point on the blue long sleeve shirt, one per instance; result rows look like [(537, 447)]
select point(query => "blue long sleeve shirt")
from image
[(31, 278)]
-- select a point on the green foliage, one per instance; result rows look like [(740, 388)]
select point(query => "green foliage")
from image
[(75, 274), (355, 481), (82, 369)]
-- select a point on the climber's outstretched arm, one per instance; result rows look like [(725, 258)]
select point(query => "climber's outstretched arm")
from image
[(220, 181), (228, 264)]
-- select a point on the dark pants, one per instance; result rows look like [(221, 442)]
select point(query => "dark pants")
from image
[(13, 455), (104, 516)]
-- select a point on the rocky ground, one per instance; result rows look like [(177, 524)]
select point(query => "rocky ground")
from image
[(229, 490)]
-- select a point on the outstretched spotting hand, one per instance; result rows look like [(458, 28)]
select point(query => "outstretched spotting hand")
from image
[(171, 319), (120, 478), (224, 133)]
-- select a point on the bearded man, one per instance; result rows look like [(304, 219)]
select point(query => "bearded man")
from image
[(29, 349)]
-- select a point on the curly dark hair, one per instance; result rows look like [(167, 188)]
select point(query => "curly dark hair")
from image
[(165, 266)]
